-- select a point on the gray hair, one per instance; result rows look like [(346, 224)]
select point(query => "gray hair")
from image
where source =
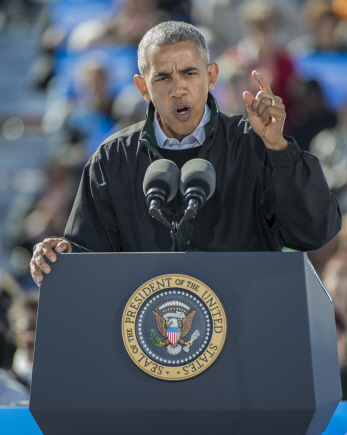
[(168, 33)]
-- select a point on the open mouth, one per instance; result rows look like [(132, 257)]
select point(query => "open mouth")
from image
[(183, 113), (182, 110)]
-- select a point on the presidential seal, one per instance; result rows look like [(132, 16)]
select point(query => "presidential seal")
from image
[(174, 327)]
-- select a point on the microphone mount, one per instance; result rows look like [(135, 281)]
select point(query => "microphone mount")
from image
[(195, 199), (156, 199), (197, 180)]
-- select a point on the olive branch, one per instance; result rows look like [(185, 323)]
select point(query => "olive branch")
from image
[(155, 340)]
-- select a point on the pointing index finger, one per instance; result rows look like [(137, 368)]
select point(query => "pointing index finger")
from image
[(263, 83)]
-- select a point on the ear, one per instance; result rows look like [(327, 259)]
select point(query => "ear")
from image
[(142, 87), (212, 71)]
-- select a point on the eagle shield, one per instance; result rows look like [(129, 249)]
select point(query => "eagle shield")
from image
[(173, 335)]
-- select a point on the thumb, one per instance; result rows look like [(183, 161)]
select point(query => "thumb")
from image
[(248, 97)]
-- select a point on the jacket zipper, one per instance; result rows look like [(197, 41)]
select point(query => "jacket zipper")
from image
[(188, 247)]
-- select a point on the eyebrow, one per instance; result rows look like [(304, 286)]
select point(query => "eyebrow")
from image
[(184, 70)]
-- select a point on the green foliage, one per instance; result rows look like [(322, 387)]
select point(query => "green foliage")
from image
[(155, 340)]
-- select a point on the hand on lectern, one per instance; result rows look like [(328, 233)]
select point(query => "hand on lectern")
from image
[(49, 247)]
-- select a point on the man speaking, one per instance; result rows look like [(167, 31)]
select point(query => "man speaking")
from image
[(268, 192)]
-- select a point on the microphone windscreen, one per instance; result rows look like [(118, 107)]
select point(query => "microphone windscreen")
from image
[(198, 173), (162, 174)]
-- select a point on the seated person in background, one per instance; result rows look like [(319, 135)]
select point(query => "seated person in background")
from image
[(260, 49), (22, 316), (10, 390), (269, 193), (334, 277), (330, 146)]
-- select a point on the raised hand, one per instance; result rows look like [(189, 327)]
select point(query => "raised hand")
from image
[(266, 114)]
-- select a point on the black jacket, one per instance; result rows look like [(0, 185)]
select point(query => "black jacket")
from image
[(259, 192)]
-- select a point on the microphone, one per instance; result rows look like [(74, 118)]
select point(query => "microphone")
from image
[(160, 185), (198, 183)]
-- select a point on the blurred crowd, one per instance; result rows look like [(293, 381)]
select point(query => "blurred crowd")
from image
[(85, 65)]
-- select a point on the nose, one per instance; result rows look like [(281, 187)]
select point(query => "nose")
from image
[(178, 88)]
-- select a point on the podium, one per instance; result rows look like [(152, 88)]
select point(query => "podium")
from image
[(278, 371)]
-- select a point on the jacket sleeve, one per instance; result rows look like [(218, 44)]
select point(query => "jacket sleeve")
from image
[(92, 225), (298, 200)]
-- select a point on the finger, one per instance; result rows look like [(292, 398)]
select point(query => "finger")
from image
[(249, 100), (273, 114), (40, 262), (265, 105), (45, 248), (263, 83), (48, 246), (268, 99), (63, 246), (35, 272)]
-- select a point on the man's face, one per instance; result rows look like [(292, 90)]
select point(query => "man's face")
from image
[(177, 82)]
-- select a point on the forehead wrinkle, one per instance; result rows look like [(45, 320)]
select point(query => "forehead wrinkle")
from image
[(166, 55)]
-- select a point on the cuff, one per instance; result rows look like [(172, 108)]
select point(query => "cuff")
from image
[(287, 157)]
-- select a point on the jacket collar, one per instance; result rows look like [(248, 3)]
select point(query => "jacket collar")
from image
[(148, 136)]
